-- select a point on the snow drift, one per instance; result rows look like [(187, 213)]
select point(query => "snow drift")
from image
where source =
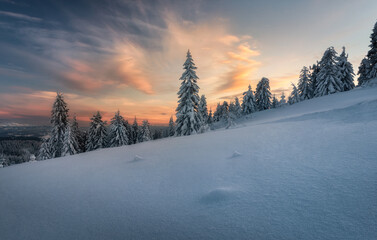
[(306, 171)]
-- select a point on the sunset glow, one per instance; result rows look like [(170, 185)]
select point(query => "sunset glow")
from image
[(128, 55)]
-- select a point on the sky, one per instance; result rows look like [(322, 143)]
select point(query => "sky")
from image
[(122, 55)]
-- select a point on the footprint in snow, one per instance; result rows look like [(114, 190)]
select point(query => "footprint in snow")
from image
[(218, 195), (236, 154), (137, 158)]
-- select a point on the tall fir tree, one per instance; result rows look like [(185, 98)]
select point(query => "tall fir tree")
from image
[(59, 121), (97, 136), (44, 151), (202, 109), (295, 96), (363, 72), (171, 128), (145, 132), (118, 131), (71, 145), (188, 120), (328, 78), (304, 85), (372, 54), (248, 102), (135, 131), (263, 94), (346, 71)]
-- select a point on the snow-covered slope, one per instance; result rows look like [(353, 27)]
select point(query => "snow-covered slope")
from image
[(306, 171)]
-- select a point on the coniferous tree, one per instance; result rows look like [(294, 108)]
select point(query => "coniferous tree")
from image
[(314, 70), (171, 129), (294, 97), (304, 86), (282, 101), (328, 78), (70, 146), (118, 131), (248, 102), (217, 113), (145, 132), (224, 111), (210, 117), (128, 131), (346, 71), (263, 94), (97, 136), (232, 110), (44, 151), (83, 140), (135, 132), (202, 109), (372, 54), (275, 102), (59, 121), (77, 134), (188, 120), (237, 108), (363, 72)]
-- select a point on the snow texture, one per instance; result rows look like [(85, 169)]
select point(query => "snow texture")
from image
[(307, 171)]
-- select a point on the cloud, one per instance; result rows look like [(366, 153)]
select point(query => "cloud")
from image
[(20, 16), (134, 58)]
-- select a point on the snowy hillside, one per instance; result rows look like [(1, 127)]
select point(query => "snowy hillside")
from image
[(306, 171)]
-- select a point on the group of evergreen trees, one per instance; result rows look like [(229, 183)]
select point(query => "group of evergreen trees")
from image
[(67, 139), (330, 75), (335, 73), (192, 115), (368, 66)]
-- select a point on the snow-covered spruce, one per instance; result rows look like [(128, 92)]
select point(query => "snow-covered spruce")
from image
[(304, 86), (145, 132), (248, 102), (346, 71), (263, 95), (282, 101), (364, 69), (202, 109), (118, 131), (237, 111), (188, 120), (232, 115), (328, 78), (97, 136), (294, 97), (135, 132), (44, 151), (71, 145), (372, 54), (216, 114), (79, 135), (171, 128), (314, 70), (275, 102), (59, 121), (210, 117)]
